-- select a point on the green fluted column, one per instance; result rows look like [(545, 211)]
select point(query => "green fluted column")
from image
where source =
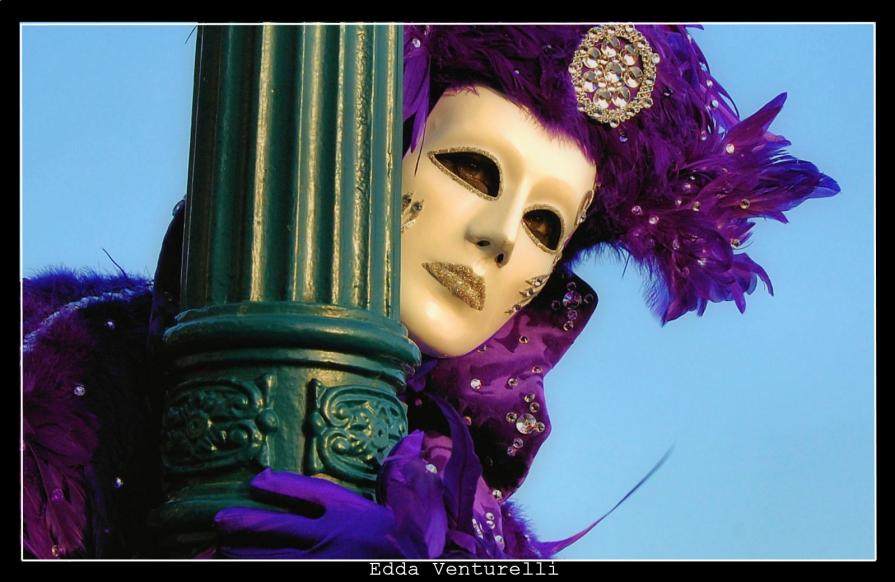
[(289, 352)]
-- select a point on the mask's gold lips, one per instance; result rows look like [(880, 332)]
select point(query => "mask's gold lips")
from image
[(461, 281)]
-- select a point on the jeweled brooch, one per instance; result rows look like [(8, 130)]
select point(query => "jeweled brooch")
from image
[(614, 72)]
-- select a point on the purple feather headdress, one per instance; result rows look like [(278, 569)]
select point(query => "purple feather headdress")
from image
[(680, 184)]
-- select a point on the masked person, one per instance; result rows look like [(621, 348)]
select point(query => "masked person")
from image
[(525, 149)]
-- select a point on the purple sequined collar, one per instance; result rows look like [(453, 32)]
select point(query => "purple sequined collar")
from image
[(498, 388)]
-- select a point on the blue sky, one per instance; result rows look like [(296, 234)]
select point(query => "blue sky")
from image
[(771, 412)]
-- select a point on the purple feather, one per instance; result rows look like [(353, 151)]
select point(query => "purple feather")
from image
[(463, 470), (416, 498)]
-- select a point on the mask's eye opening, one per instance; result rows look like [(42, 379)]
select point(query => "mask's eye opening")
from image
[(477, 170), (545, 226)]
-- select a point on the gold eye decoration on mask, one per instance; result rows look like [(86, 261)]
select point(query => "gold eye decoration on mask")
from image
[(544, 227), (473, 169)]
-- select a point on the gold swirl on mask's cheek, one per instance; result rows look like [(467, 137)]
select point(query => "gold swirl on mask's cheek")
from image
[(410, 211), (535, 284)]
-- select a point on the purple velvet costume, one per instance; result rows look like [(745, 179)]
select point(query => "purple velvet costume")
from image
[(681, 186)]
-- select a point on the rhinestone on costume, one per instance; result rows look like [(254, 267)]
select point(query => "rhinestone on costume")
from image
[(568, 325), (653, 220), (110, 324), (526, 424), (518, 443), (613, 73), (511, 417), (119, 483), (715, 103), (744, 204), (467, 420), (56, 551), (416, 43), (696, 206), (79, 390), (611, 64), (611, 46), (735, 242), (514, 309), (730, 148), (489, 516), (483, 349), (499, 539), (534, 407), (512, 382), (57, 495), (632, 77), (523, 339), (475, 384), (541, 427), (588, 298), (536, 370), (490, 523), (571, 299), (702, 261), (529, 398), (497, 494), (431, 468), (620, 98), (623, 137), (555, 304), (511, 452), (571, 315)]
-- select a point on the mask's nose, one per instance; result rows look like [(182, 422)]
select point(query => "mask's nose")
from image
[(495, 229)]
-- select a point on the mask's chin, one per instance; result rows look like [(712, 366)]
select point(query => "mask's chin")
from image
[(440, 349)]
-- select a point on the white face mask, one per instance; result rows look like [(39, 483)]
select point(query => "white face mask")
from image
[(493, 199)]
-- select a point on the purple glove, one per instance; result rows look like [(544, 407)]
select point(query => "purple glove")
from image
[(325, 521)]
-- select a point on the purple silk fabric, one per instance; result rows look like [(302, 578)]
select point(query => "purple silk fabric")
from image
[(498, 388)]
